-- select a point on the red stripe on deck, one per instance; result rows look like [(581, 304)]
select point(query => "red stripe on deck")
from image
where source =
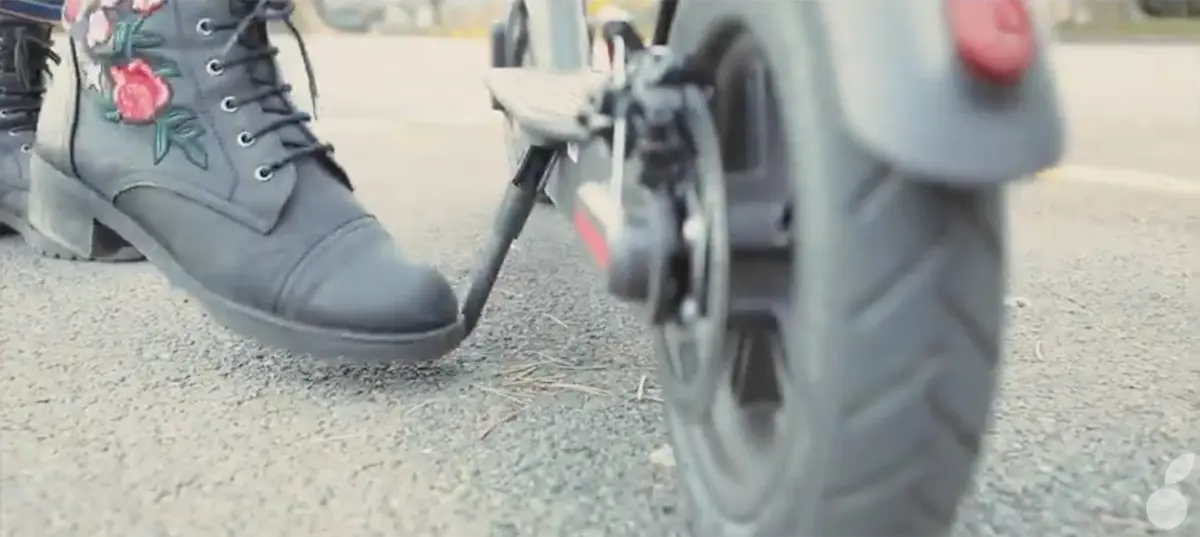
[(592, 238)]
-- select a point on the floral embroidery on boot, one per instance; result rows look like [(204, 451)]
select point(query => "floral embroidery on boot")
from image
[(131, 78)]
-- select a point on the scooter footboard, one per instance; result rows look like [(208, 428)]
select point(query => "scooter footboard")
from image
[(955, 91)]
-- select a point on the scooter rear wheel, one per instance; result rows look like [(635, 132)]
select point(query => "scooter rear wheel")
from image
[(836, 377)]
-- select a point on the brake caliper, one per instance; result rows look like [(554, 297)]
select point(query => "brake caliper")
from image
[(654, 254)]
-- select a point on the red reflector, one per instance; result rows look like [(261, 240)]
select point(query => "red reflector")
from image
[(994, 38), (592, 238)]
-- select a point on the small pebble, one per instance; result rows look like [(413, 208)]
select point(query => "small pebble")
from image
[(663, 456)]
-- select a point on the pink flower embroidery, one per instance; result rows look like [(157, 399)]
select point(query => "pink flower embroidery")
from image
[(138, 93), (146, 7), (98, 29), (71, 11)]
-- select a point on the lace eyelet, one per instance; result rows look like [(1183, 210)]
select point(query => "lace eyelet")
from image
[(25, 148), (204, 27), (263, 174), (14, 132), (3, 113), (229, 104), (214, 67), (244, 139)]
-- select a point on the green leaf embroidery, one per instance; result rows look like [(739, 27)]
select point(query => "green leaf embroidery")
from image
[(162, 141), (122, 40), (188, 131), (144, 39), (176, 116), (167, 69), (195, 152), (161, 65), (110, 111)]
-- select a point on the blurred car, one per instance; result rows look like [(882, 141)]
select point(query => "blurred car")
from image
[(357, 16), (1172, 9), (387, 16)]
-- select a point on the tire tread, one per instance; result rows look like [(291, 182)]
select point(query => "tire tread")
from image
[(961, 343)]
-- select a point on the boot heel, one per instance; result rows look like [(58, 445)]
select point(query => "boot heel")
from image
[(61, 209)]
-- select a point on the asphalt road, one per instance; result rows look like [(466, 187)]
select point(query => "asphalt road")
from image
[(124, 412)]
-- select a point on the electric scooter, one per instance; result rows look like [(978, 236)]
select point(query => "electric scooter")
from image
[(804, 200)]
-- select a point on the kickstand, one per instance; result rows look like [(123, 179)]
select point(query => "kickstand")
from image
[(519, 199)]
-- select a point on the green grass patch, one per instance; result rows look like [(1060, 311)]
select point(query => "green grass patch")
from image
[(1184, 30)]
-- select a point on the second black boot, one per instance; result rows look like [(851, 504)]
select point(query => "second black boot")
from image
[(169, 126), (25, 55)]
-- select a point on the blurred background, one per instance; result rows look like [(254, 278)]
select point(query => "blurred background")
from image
[(1074, 19)]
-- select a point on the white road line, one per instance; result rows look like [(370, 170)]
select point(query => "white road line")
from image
[(1122, 177)]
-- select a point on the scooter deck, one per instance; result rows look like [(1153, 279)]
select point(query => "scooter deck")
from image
[(549, 106)]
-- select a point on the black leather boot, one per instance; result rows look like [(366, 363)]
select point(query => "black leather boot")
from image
[(25, 52), (169, 126)]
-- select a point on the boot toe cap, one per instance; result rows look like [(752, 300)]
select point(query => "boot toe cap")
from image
[(365, 285)]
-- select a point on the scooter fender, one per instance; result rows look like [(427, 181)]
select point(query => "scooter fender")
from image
[(907, 99)]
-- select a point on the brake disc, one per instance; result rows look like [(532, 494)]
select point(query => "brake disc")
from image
[(696, 334)]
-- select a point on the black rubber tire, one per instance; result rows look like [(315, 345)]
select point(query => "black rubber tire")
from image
[(895, 339)]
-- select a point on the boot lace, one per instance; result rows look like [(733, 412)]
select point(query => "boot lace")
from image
[(25, 51), (249, 47)]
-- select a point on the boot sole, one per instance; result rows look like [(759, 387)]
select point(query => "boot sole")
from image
[(73, 215), (46, 247)]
